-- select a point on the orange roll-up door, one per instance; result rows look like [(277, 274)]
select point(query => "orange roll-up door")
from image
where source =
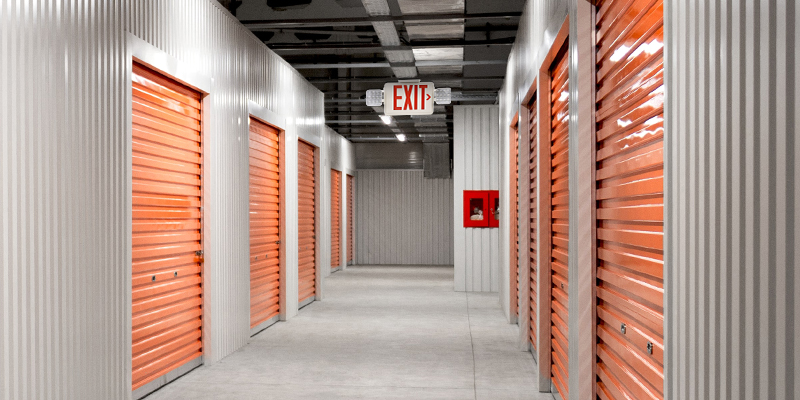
[(167, 225), (336, 217), (306, 221), (630, 201), (532, 171), (559, 221), (265, 222), (514, 303), (350, 232)]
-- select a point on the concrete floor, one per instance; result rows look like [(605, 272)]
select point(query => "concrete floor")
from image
[(380, 333)]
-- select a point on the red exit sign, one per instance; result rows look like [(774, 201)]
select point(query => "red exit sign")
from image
[(408, 98)]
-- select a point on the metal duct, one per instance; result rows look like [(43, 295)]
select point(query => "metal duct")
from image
[(388, 155), (436, 160)]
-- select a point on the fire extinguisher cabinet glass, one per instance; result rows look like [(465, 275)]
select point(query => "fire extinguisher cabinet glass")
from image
[(481, 208)]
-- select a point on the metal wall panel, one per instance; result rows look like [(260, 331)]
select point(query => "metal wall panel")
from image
[(732, 200), (65, 182), (403, 218), (476, 166), (64, 214)]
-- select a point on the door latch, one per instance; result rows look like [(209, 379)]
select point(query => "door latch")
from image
[(199, 253)]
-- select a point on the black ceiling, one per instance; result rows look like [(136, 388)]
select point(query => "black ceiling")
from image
[(344, 49)]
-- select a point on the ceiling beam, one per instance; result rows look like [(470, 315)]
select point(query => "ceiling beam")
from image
[(376, 122), (384, 79), (328, 22), (365, 47), (436, 63)]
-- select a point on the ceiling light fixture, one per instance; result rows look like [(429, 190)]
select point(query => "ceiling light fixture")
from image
[(401, 137), (386, 119)]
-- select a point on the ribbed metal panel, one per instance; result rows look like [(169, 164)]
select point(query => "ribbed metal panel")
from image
[(64, 230), (732, 200), (476, 166), (403, 218), (64, 182)]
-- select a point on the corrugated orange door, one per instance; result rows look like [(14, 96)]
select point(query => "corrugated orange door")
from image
[(265, 222), (515, 221), (630, 201), (533, 121), (167, 220), (306, 225), (336, 217), (350, 231), (559, 220)]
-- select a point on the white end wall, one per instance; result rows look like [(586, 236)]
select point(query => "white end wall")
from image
[(476, 166), (403, 218)]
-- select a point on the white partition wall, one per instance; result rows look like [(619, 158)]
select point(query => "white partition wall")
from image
[(732, 227), (476, 166)]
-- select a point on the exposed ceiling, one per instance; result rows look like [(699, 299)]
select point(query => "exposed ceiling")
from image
[(345, 47)]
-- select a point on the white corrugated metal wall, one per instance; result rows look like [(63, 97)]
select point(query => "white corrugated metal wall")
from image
[(65, 182), (476, 166), (403, 218), (58, 160), (732, 199)]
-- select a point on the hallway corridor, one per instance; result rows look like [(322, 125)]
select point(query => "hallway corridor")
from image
[(379, 333)]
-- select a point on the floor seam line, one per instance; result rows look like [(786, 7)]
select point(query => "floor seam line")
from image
[(472, 344)]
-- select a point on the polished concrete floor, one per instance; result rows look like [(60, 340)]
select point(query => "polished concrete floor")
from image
[(380, 333)]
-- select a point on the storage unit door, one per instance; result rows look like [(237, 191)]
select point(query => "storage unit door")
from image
[(350, 231), (515, 224), (265, 222), (630, 201), (534, 213), (167, 220), (559, 221), (336, 217), (306, 222)]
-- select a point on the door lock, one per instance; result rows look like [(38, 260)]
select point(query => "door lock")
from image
[(199, 253)]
